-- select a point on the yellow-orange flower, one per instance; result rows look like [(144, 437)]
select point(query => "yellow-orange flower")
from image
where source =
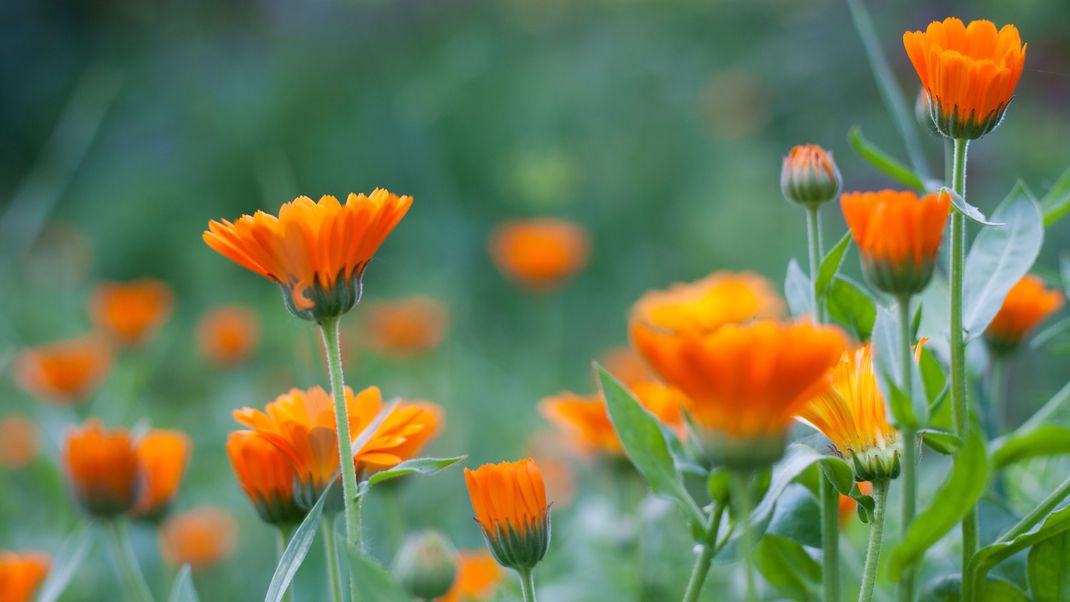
[(852, 414), (625, 364), (267, 475), (21, 573), (1027, 304), (228, 335), (131, 312), (102, 468), (66, 372), (970, 73), (315, 251), (539, 254), (898, 236), (406, 327), (201, 538), (478, 575), (18, 442), (509, 500), (162, 456), (809, 176)]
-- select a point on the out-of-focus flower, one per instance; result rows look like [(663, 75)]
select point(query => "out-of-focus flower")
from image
[(1027, 304), (267, 476), (131, 312), (426, 565), (539, 254), (18, 442), (851, 413), (228, 335), (162, 457), (202, 537), (21, 573), (898, 236), (735, 104), (848, 505), (809, 176), (102, 468), (625, 364), (478, 575), (509, 500), (549, 450), (970, 73), (921, 112), (315, 251), (66, 372), (405, 327)]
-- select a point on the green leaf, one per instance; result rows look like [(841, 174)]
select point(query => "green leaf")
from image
[(371, 581), (1045, 440), (941, 441), (955, 497), (883, 161), (1048, 568), (797, 459), (797, 517), (999, 258), (65, 565), (850, 306), (297, 549), (1056, 523), (907, 410), (789, 568), (830, 264), (423, 466), (182, 589), (949, 589), (797, 290), (1064, 272), (972, 213), (1056, 203), (1049, 334)]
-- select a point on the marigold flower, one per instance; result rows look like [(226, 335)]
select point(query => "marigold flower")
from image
[(898, 236), (315, 251), (131, 312), (852, 414), (21, 573), (969, 71), (478, 575), (162, 456), (228, 335), (509, 500), (809, 176), (19, 442), (539, 254), (406, 327), (201, 538), (267, 476), (745, 382), (625, 364), (1027, 304), (102, 467), (66, 372)]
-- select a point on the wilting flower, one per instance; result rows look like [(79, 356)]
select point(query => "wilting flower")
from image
[(478, 575), (898, 236), (1027, 304), (18, 442), (406, 327), (102, 467), (970, 73), (131, 312), (66, 372), (21, 573), (509, 500), (301, 424), (809, 176), (539, 254), (162, 457), (852, 414), (228, 335), (315, 252), (201, 538), (745, 382), (267, 476)]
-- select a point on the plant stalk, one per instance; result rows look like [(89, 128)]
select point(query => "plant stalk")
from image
[(813, 244), (705, 557), (741, 500), (910, 437), (134, 586), (332, 347), (330, 548), (283, 538), (830, 538), (527, 584), (876, 536)]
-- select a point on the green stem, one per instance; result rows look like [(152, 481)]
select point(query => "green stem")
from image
[(705, 557), (813, 245), (332, 347), (997, 376), (742, 501), (527, 584), (330, 548), (876, 535), (830, 538), (129, 573), (1047, 411), (910, 438), (283, 537)]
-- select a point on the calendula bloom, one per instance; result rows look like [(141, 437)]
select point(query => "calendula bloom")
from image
[(1027, 304), (315, 251), (627, 366), (66, 372), (102, 468), (267, 476), (509, 500), (970, 73), (745, 382), (406, 327), (809, 176), (898, 236), (131, 312), (162, 456), (21, 573), (478, 575), (19, 442), (851, 413), (228, 335), (539, 254), (201, 538)]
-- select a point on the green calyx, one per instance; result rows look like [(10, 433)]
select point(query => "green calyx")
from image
[(905, 278), (745, 453), (951, 124), (809, 186), (876, 463), (519, 551), (327, 302)]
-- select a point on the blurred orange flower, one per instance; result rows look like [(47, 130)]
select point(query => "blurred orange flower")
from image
[(228, 335), (315, 251), (625, 364), (201, 538), (19, 442), (102, 468), (509, 500), (539, 254), (162, 456), (1028, 303), (267, 476), (21, 573), (131, 312), (478, 575), (66, 372), (406, 327)]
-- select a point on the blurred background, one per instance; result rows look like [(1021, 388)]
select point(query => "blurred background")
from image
[(656, 126)]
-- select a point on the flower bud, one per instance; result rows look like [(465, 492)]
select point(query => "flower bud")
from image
[(426, 565), (923, 113), (809, 176)]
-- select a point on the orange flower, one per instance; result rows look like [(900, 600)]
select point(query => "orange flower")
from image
[(478, 575), (227, 335), (102, 467), (848, 505), (201, 538), (162, 456), (406, 327), (970, 73), (316, 252), (266, 475), (132, 311), (809, 176), (66, 372), (539, 254), (509, 500), (851, 413), (301, 424), (745, 382), (625, 364), (1027, 304), (21, 573), (898, 236), (18, 442)]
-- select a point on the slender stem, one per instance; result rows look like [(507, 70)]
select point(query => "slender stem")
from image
[(830, 538), (527, 584), (283, 537), (705, 557), (332, 347), (742, 501), (129, 572), (813, 244), (876, 535), (330, 548), (910, 438)]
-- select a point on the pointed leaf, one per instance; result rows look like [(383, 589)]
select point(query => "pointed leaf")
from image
[(789, 568), (1056, 203), (182, 590), (424, 466), (972, 213), (1045, 440), (830, 264), (372, 582), (296, 550), (1048, 568), (883, 161), (797, 290), (941, 441), (1056, 523), (797, 459), (65, 565), (850, 306)]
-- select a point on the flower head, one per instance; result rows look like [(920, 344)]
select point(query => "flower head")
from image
[(21, 573), (1027, 304), (509, 500), (315, 251), (539, 254), (130, 312), (625, 364), (267, 476), (425, 565), (809, 176), (970, 73), (19, 442), (228, 335), (66, 372), (478, 575), (102, 467), (201, 537), (898, 236), (406, 327), (162, 456)]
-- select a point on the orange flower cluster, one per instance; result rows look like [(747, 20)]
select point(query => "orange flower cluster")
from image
[(67, 372), (130, 312), (539, 254), (21, 574), (406, 327), (228, 335), (1028, 303)]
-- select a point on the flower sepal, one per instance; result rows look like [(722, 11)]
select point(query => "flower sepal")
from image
[(906, 278), (327, 303), (876, 463), (950, 124), (519, 551), (745, 452)]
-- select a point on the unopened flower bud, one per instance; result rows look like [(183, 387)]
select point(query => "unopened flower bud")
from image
[(809, 176), (426, 565)]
